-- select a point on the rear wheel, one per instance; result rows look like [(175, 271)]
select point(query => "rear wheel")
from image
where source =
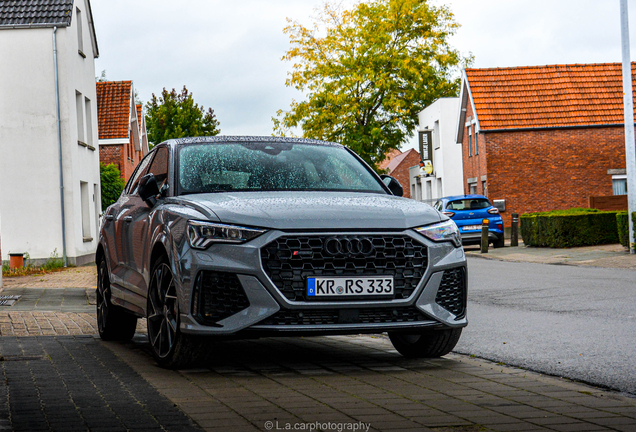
[(499, 243), (113, 323), (171, 348), (427, 344)]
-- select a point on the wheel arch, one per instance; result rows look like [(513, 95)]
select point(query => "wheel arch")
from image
[(158, 250)]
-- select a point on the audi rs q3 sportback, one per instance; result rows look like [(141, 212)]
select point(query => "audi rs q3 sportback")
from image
[(239, 237)]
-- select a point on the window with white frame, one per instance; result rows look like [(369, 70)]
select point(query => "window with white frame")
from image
[(619, 184), (80, 38), (89, 124), (476, 142), (470, 141), (79, 105)]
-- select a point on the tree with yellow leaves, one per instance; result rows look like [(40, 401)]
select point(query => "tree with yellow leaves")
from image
[(368, 71)]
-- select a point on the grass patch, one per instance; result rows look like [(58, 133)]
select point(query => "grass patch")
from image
[(53, 264)]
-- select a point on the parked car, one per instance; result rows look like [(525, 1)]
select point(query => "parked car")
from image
[(217, 237), (468, 212)]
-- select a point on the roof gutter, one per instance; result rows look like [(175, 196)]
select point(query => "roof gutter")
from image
[(552, 128), (59, 142), (37, 25)]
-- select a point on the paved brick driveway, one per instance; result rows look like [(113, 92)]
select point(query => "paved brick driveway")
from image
[(73, 381)]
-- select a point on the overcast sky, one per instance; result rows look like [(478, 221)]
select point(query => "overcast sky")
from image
[(228, 54)]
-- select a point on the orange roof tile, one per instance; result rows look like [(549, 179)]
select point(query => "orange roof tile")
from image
[(548, 96), (113, 108)]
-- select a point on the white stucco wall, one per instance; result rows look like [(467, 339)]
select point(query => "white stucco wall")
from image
[(29, 156), (441, 117)]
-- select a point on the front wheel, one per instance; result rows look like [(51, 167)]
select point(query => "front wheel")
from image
[(113, 323), (170, 348), (427, 344)]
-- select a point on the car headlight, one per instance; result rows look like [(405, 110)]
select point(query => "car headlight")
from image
[(203, 234), (442, 231)]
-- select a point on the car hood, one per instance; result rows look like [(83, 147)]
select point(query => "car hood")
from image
[(311, 210)]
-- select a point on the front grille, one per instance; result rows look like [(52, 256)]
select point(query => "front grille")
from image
[(217, 296), (451, 294), (345, 316), (288, 261)]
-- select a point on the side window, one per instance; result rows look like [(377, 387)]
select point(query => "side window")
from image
[(159, 166), (131, 187)]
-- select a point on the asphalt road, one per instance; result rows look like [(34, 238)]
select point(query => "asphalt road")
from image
[(575, 322)]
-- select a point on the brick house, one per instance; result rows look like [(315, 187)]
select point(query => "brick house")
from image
[(543, 137), (397, 165), (122, 127)]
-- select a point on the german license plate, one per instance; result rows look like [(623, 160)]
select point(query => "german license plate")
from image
[(472, 227), (349, 286)]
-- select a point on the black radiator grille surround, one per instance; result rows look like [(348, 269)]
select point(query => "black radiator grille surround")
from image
[(345, 316), (289, 260), (451, 294), (220, 295)]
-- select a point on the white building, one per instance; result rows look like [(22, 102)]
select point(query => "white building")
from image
[(44, 47), (447, 177)]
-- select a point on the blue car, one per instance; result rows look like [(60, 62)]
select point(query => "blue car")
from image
[(468, 211)]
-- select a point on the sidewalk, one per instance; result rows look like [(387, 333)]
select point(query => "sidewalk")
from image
[(71, 380), (608, 256)]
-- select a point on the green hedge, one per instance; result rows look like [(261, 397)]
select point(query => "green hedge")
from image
[(569, 228), (623, 227)]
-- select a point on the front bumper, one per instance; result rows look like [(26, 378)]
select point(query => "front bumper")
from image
[(436, 300)]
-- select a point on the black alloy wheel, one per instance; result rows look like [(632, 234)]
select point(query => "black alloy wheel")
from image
[(112, 322), (171, 348)]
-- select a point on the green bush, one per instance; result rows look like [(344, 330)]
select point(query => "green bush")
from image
[(112, 184), (622, 226), (569, 228)]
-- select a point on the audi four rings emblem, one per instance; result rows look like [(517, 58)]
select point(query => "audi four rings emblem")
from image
[(348, 246)]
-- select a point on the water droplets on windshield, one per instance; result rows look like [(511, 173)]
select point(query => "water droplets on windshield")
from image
[(219, 167)]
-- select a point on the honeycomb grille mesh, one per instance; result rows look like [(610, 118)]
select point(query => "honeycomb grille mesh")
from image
[(221, 295), (451, 294), (345, 316), (289, 260)]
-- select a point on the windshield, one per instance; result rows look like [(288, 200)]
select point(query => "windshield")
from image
[(262, 166), (468, 204)]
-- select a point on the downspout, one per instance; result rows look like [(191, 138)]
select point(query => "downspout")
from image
[(59, 141)]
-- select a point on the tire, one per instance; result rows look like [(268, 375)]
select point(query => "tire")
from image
[(428, 344), (113, 323), (170, 348), (499, 243)]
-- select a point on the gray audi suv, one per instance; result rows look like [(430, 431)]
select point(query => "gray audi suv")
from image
[(242, 237)]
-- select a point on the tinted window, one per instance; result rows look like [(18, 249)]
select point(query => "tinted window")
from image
[(271, 167), (131, 187), (468, 204), (159, 166)]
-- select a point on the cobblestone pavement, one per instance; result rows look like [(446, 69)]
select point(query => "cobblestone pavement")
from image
[(74, 383), (75, 277), (271, 383), (79, 382)]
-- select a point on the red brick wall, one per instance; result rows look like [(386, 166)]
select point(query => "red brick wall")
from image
[(401, 172), (541, 170), (112, 154), (125, 157)]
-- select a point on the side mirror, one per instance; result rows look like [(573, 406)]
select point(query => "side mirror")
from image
[(148, 188), (394, 186)]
